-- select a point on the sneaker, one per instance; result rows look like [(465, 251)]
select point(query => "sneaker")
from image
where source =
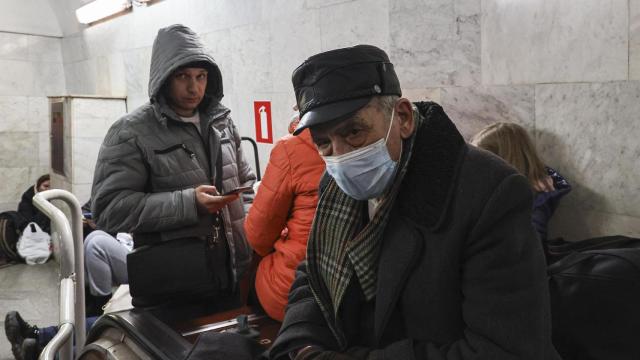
[(17, 330), (29, 349)]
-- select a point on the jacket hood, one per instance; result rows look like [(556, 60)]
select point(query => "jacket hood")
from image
[(176, 46)]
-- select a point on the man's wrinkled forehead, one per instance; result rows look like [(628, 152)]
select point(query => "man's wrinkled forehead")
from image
[(339, 126)]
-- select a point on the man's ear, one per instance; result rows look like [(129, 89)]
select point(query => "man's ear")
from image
[(404, 109)]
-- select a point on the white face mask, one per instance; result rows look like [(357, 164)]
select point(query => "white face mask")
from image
[(364, 173)]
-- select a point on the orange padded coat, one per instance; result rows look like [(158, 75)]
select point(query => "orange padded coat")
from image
[(280, 218)]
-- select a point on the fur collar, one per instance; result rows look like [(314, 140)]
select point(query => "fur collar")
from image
[(428, 186)]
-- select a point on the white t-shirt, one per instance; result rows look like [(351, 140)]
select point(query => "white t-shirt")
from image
[(195, 120)]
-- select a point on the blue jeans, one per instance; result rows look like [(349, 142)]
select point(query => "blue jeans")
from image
[(47, 333)]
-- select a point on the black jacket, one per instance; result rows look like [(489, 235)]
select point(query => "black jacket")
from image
[(29, 213), (461, 273)]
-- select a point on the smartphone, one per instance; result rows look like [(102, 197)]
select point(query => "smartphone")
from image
[(238, 190)]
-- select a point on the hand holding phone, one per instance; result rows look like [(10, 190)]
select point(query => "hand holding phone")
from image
[(238, 190)]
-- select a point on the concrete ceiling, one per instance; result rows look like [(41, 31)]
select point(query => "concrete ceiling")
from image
[(29, 17)]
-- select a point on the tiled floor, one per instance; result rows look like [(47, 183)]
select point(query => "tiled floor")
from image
[(31, 290)]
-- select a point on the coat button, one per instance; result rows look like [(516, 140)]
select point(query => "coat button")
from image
[(377, 89)]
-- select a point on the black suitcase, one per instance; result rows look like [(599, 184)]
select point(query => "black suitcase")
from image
[(595, 304)]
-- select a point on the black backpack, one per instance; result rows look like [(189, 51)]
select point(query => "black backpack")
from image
[(9, 235), (595, 299)]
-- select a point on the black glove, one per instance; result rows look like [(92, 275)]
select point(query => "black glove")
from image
[(224, 346)]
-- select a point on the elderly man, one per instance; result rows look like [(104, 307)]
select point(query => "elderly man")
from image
[(422, 246), (160, 173)]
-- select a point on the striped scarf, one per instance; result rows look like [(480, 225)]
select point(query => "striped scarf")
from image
[(343, 241)]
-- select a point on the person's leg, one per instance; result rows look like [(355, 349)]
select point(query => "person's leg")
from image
[(45, 335), (105, 265), (16, 330)]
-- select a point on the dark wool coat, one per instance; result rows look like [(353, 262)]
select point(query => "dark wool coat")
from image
[(461, 273)]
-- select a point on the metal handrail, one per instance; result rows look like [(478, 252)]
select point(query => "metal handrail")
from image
[(256, 158), (72, 311)]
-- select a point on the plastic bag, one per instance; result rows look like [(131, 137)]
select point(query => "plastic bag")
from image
[(34, 245)]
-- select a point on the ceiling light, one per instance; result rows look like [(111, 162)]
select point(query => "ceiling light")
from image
[(100, 9)]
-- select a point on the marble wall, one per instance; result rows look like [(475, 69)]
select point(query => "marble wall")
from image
[(31, 68), (87, 120), (566, 70)]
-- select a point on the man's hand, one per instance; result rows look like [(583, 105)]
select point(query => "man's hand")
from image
[(210, 201)]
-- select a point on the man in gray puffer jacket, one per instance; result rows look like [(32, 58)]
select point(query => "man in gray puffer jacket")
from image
[(161, 168)]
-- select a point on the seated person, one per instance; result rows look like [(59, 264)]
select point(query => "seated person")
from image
[(512, 143), (278, 223), (28, 212), (105, 268), (421, 246)]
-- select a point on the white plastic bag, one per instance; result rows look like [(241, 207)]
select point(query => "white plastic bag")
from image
[(34, 245)]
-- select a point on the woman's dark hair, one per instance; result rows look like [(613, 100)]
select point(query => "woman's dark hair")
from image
[(42, 179)]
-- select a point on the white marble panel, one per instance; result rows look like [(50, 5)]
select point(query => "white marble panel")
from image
[(107, 37), (103, 76), (136, 100), (15, 181), (14, 110), (17, 149), (543, 41), (573, 224), (74, 48), (589, 132), (634, 40), (251, 58), (323, 3), (117, 75), (339, 29), (219, 45), (283, 9), (38, 113), (16, 78), (14, 46), (59, 181), (137, 64), (82, 192), (145, 22), (45, 49), (36, 171), (211, 15), (93, 117), (85, 154), (44, 150), (81, 77), (435, 43), (48, 79), (290, 48), (429, 94), (473, 108)]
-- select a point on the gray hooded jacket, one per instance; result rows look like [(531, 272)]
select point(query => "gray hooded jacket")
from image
[(150, 161)]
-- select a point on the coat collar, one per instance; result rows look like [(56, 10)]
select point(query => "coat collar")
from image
[(426, 194), (428, 186)]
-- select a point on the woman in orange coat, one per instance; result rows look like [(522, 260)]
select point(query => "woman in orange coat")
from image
[(280, 218)]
